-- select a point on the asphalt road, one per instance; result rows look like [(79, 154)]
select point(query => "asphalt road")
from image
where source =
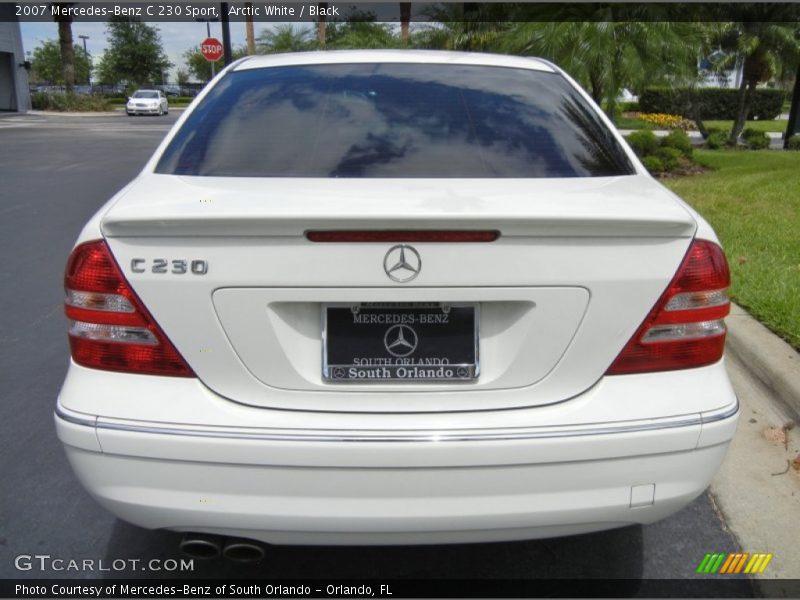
[(54, 174)]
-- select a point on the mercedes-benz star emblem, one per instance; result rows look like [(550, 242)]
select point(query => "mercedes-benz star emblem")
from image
[(402, 263), (400, 340)]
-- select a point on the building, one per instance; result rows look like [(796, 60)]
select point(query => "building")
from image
[(14, 94)]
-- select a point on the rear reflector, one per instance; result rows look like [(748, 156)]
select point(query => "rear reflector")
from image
[(110, 328), (685, 328), (402, 236)]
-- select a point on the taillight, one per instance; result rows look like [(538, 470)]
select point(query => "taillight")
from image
[(109, 327), (685, 328)]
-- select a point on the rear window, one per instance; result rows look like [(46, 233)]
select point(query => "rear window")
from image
[(393, 120)]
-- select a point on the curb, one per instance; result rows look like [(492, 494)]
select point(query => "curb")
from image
[(696, 139), (766, 356), (56, 113)]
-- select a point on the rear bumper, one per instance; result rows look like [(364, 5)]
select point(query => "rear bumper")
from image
[(369, 486), (316, 505)]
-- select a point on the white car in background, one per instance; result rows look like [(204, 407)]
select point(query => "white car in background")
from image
[(147, 102), (394, 297)]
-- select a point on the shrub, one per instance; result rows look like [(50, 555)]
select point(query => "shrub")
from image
[(711, 103), (669, 157), (717, 140), (793, 143), (63, 102), (756, 140), (643, 142), (653, 164), (680, 141), (624, 107)]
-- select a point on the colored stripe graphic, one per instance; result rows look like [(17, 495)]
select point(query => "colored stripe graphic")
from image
[(703, 563), (740, 564), (763, 565), (727, 564), (715, 566), (734, 563), (756, 558)]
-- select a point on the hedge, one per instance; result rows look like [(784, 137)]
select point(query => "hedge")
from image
[(713, 103), (62, 102)]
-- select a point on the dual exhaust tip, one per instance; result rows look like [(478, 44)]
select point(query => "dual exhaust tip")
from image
[(206, 547)]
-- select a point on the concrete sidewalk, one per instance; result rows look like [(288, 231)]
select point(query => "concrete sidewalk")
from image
[(757, 489)]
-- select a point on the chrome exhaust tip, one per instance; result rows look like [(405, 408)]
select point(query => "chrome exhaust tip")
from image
[(244, 551), (201, 546)]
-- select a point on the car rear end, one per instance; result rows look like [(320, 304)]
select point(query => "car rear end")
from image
[(395, 297)]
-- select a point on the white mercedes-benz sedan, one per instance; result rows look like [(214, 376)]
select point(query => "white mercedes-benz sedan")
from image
[(395, 297), (147, 102)]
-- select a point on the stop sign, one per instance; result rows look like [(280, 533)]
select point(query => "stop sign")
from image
[(211, 49)]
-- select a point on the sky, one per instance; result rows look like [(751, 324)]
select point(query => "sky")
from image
[(176, 38)]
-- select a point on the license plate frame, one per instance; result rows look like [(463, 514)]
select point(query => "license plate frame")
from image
[(409, 368)]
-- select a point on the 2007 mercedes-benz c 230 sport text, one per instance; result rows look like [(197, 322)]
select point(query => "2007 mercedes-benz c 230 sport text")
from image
[(395, 297)]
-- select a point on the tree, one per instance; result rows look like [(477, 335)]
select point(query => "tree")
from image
[(405, 21), (614, 52), (285, 38), (761, 48), (463, 26), (64, 20), (199, 67), (360, 30), (321, 25), (47, 67), (182, 77), (607, 48), (134, 54)]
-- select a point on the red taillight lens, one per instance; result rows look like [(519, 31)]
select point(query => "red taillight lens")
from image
[(110, 328), (685, 328)]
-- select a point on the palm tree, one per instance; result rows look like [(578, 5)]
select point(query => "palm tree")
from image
[(463, 26), (607, 56), (761, 48), (284, 38), (793, 125), (64, 20), (321, 27), (405, 18)]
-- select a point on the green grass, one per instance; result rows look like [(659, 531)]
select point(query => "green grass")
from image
[(751, 199), (778, 125), (629, 123)]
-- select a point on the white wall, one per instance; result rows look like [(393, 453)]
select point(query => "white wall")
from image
[(11, 56)]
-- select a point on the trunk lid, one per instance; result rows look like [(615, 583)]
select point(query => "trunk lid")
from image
[(578, 265)]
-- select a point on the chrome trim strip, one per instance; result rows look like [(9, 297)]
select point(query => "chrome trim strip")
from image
[(75, 419), (720, 414), (428, 436)]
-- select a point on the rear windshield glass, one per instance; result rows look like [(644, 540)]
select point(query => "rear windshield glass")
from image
[(393, 120)]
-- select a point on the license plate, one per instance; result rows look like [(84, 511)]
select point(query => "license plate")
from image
[(373, 342)]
